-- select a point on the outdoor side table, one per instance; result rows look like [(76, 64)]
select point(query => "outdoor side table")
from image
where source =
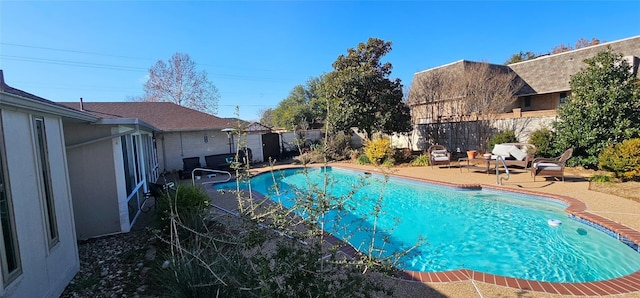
[(479, 160)]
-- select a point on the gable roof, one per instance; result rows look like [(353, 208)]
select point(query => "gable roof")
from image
[(165, 116), (443, 74), (257, 127), (552, 73)]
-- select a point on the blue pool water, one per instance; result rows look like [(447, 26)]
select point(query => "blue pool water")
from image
[(488, 231)]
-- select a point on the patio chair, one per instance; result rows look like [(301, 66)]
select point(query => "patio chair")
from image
[(439, 155), (188, 165), (553, 167)]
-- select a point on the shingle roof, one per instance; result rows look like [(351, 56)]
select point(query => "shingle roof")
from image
[(552, 73), (58, 108), (451, 70), (164, 116)]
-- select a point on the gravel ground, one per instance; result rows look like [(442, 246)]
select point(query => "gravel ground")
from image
[(115, 266)]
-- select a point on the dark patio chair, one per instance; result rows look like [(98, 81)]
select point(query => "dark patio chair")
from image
[(188, 165)]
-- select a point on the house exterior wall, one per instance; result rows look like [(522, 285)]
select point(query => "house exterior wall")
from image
[(539, 102), (46, 271), (93, 181), (174, 146), (456, 135), (103, 204), (545, 77)]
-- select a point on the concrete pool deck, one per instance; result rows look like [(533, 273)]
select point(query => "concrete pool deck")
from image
[(615, 213)]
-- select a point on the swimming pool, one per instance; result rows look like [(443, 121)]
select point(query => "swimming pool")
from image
[(488, 231)]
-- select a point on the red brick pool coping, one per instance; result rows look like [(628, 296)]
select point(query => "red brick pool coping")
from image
[(621, 285)]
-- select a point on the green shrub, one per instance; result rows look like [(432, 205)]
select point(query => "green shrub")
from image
[(378, 149), (315, 154), (389, 162), (363, 160), (623, 159), (602, 178), (543, 140), (402, 155), (421, 160), (187, 204), (507, 136), (339, 146)]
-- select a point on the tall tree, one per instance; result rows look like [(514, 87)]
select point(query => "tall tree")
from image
[(179, 81), (521, 56), (360, 93), (581, 43), (266, 117), (603, 109), (293, 112)]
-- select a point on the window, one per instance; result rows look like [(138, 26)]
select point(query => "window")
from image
[(563, 97), (47, 187), (527, 102), (9, 252), (133, 173)]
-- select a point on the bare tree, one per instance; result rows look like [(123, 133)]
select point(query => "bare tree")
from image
[(583, 43), (454, 98), (178, 81), (489, 90)]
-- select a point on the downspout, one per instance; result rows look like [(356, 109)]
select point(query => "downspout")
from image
[(109, 137), (164, 154)]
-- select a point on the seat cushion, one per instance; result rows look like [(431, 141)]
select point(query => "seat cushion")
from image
[(517, 153), (502, 150), (440, 158), (439, 153), (547, 166)]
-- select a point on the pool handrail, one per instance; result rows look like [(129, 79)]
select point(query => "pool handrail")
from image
[(504, 164), (193, 176)]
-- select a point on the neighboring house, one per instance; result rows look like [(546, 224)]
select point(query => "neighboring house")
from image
[(546, 86), (257, 128), (180, 132), (547, 77), (38, 247)]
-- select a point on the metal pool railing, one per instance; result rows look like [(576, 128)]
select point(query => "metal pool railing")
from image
[(504, 164)]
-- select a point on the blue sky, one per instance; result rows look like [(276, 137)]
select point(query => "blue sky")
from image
[(256, 52)]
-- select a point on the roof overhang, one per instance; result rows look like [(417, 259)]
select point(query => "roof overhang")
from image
[(126, 121), (20, 102)]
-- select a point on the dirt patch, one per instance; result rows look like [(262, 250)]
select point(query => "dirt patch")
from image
[(629, 190)]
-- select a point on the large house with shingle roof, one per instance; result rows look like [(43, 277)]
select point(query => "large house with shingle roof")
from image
[(545, 86), (547, 77)]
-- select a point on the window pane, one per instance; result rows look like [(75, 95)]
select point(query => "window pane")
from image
[(41, 140), (10, 253), (128, 168)]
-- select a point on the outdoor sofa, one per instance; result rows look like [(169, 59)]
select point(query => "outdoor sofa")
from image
[(515, 154)]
